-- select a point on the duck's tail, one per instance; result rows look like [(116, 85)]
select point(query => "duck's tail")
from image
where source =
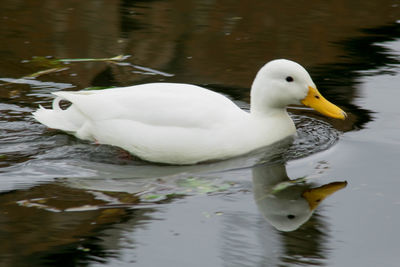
[(69, 120)]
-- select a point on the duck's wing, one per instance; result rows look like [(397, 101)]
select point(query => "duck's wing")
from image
[(157, 104)]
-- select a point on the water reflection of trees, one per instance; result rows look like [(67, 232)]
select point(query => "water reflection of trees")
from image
[(41, 231), (363, 56), (200, 42)]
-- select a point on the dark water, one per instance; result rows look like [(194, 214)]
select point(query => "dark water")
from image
[(66, 202)]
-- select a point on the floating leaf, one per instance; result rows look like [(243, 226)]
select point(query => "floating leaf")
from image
[(46, 62), (35, 75), (117, 58), (43, 72), (153, 197), (56, 65), (84, 249), (202, 186)]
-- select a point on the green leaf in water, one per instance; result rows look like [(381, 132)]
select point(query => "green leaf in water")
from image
[(153, 197), (202, 186), (117, 58), (55, 65), (46, 62), (43, 72)]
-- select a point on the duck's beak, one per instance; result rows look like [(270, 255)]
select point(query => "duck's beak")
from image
[(314, 196), (316, 101)]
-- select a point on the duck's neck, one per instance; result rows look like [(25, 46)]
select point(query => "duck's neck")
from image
[(261, 106), (267, 112), (272, 113)]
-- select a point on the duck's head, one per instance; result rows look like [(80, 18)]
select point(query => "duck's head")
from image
[(283, 82)]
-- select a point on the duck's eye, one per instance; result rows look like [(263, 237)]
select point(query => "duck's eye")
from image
[(289, 79), (291, 216)]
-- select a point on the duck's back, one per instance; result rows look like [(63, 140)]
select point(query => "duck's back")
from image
[(165, 122), (157, 104)]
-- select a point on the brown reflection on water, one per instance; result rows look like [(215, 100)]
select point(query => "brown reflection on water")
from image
[(222, 42), (52, 217), (253, 32), (218, 42)]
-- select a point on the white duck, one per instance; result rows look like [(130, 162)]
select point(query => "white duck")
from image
[(186, 124)]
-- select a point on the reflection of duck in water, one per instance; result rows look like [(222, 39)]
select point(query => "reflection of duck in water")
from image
[(290, 207)]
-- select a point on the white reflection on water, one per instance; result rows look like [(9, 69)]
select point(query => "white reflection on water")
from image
[(50, 155), (290, 206)]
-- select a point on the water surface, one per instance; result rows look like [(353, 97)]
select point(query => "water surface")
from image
[(67, 202)]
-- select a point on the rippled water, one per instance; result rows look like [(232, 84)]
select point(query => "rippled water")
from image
[(31, 149), (66, 202)]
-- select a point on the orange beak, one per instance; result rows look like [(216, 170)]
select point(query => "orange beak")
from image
[(315, 100)]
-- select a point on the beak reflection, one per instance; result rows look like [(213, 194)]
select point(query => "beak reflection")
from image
[(287, 204)]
